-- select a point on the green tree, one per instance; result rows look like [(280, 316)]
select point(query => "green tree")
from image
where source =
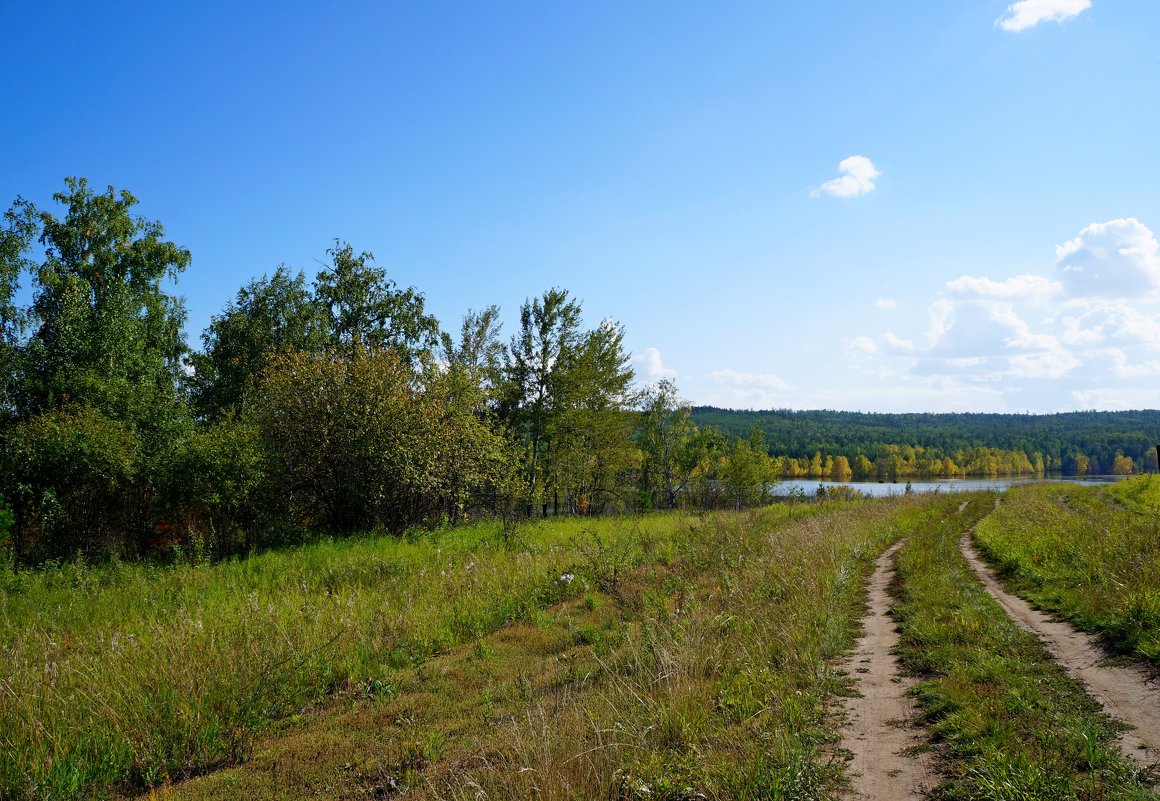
[(549, 330), (747, 470), (273, 314), (100, 345), (366, 309), (669, 441), (104, 330), (591, 425), (70, 476), (478, 354)]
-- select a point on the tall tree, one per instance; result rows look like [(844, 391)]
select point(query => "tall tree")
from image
[(478, 355), (96, 362), (669, 441), (104, 330), (549, 330), (273, 314), (367, 310), (592, 386)]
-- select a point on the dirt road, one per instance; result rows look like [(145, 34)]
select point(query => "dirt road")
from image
[(878, 726), (1127, 693)]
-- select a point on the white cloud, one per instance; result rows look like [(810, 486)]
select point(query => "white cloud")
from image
[(1116, 398), (739, 390), (1055, 363), (1029, 13), (885, 304), (897, 343), (651, 367), (1028, 288), (1116, 259), (860, 347), (857, 178), (1099, 323)]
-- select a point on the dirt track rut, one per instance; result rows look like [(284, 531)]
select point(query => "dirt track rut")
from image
[(1126, 692), (878, 726)]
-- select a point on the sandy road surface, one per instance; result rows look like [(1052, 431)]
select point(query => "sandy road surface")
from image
[(878, 725), (1127, 693)]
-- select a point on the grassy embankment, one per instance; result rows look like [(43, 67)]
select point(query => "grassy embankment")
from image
[(1092, 557), (1015, 726), (679, 638)]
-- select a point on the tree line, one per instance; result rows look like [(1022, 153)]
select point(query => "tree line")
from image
[(321, 406), (1073, 443)]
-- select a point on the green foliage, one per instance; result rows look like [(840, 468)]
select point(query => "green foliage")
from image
[(69, 475), (478, 353), (566, 394), (270, 315), (367, 310), (104, 328), (1066, 442), (670, 443), (91, 399), (217, 491), (362, 441)]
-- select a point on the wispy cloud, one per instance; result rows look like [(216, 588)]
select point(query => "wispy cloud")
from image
[(740, 390), (1027, 288), (857, 174), (885, 304), (1029, 13)]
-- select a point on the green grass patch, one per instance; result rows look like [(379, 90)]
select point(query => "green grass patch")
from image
[(1140, 493), (708, 674), (1091, 556), (122, 676), (1013, 724)]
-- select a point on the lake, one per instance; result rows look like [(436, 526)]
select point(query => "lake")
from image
[(876, 489)]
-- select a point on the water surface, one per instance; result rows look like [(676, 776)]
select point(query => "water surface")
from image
[(879, 489)]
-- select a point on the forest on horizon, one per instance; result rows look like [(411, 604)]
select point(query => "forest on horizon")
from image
[(1096, 436)]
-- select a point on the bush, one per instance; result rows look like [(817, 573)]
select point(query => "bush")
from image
[(69, 475), (365, 441)]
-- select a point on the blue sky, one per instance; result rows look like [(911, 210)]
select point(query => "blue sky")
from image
[(877, 206)]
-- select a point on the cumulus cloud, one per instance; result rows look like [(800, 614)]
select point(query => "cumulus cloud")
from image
[(1115, 259), (1029, 13), (857, 174), (885, 304), (1029, 288), (651, 367)]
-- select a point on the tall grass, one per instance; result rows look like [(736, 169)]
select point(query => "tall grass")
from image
[(1013, 724), (122, 676), (720, 683), (1091, 556)]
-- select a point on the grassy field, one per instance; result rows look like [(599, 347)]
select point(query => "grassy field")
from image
[(664, 657), (131, 675), (128, 676), (1011, 724), (1093, 557)]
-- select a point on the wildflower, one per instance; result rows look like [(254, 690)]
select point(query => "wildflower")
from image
[(567, 578)]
